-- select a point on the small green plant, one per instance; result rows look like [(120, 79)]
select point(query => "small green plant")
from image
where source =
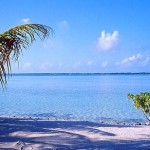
[(142, 101)]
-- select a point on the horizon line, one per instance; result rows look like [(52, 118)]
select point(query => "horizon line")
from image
[(86, 73)]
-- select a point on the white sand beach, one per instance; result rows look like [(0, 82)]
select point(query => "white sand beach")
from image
[(38, 134)]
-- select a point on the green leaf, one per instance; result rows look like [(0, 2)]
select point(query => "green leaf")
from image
[(14, 40)]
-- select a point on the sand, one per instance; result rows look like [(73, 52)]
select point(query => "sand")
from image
[(38, 134)]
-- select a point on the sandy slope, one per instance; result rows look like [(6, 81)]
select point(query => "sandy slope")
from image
[(19, 133)]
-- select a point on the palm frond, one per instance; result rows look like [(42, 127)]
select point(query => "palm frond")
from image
[(14, 40)]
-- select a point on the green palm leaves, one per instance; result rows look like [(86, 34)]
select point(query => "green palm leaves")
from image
[(142, 101), (14, 40)]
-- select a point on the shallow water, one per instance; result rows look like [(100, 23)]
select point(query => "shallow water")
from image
[(74, 97)]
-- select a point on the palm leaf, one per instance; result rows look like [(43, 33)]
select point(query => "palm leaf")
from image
[(14, 40)]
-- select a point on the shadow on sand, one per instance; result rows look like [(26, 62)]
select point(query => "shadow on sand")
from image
[(58, 135)]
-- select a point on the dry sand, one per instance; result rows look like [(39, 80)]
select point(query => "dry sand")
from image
[(36, 134)]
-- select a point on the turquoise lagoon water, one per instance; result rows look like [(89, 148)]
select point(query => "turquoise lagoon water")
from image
[(100, 97)]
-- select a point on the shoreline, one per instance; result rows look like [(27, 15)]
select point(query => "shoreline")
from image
[(55, 119), (38, 134)]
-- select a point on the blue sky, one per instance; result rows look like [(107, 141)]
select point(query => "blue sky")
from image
[(90, 35)]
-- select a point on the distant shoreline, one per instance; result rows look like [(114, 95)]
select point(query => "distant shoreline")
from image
[(61, 74)]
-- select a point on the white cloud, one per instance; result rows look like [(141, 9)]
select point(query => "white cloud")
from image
[(137, 59), (45, 45), (104, 64), (25, 20), (63, 25), (53, 44), (60, 64), (107, 41), (26, 66), (90, 63), (146, 60), (45, 66), (77, 64)]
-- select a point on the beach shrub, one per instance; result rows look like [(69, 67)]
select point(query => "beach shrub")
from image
[(142, 101)]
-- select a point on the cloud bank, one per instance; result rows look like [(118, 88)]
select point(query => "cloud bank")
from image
[(137, 59)]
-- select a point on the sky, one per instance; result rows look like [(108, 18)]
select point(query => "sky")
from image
[(90, 36)]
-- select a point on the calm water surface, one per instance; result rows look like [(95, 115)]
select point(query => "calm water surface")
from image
[(77, 97)]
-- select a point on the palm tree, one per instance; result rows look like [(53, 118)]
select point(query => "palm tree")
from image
[(14, 40)]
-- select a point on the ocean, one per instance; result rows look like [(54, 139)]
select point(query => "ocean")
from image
[(86, 97)]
